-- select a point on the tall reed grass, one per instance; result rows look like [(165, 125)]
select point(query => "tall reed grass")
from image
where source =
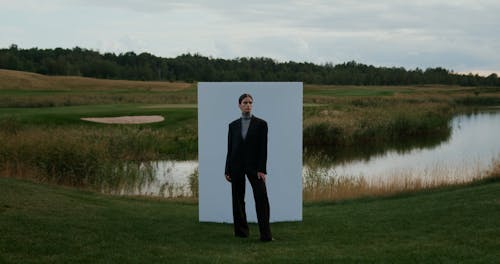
[(372, 121), (193, 183), (321, 183), (106, 158)]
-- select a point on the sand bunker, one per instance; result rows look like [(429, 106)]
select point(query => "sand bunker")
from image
[(125, 119)]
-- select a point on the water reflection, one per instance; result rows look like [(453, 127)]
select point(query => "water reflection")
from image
[(368, 150), (171, 179), (469, 151)]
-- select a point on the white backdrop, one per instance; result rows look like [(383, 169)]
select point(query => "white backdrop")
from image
[(280, 104)]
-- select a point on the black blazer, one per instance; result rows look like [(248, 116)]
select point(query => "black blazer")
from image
[(247, 155)]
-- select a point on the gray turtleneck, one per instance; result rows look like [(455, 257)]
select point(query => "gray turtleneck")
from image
[(245, 123)]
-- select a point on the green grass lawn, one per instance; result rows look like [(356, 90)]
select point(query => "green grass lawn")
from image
[(342, 92), (70, 115), (48, 224)]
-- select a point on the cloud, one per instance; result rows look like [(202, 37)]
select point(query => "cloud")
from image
[(458, 35)]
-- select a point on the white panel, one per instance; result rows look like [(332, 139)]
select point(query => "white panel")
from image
[(280, 104)]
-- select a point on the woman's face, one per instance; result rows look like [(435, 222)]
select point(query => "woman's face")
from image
[(246, 105)]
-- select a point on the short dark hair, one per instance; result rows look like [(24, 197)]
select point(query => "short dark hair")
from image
[(243, 96)]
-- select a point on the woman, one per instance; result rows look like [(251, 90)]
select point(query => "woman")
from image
[(247, 155)]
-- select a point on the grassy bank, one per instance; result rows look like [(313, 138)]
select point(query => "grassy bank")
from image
[(48, 224), (24, 89)]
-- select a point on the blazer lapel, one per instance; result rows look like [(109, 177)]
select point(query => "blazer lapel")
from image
[(238, 130)]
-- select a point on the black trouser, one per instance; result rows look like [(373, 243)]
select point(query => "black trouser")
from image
[(261, 205)]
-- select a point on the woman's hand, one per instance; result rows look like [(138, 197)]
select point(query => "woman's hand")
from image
[(261, 176)]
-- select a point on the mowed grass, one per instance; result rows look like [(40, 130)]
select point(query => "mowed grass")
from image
[(70, 115), (349, 91), (48, 224)]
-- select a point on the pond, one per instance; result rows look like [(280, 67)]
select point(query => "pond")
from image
[(460, 156), (468, 152)]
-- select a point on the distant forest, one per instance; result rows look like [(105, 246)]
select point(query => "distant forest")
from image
[(194, 67)]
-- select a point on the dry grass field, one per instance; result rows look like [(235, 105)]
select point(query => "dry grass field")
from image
[(18, 80), (24, 89)]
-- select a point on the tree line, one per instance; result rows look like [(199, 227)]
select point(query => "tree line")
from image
[(195, 67)]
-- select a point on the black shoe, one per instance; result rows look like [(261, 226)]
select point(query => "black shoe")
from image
[(266, 239)]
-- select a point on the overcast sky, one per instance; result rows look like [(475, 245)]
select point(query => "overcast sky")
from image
[(459, 35)]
